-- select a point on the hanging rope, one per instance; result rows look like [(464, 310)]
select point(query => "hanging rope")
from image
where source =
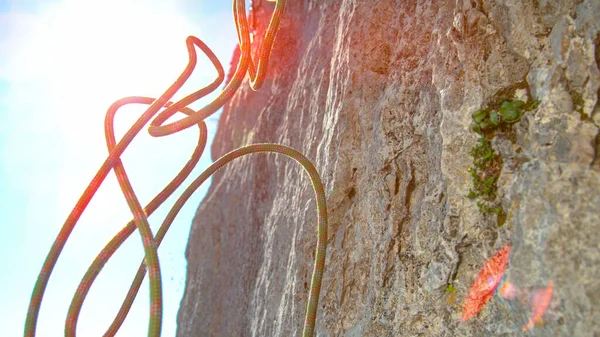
[(140, 215)]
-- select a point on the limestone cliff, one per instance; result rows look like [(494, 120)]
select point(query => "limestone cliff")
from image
[(381, 95)]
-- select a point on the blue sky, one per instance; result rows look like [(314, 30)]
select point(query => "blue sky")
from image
[(62, 63)]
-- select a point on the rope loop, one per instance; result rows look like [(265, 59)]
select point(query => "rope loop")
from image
[(151, 243)]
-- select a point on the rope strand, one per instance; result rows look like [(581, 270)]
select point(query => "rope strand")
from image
[(151, 243)]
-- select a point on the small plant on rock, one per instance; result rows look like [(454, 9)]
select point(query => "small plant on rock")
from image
[(487, 164), (486, 120)]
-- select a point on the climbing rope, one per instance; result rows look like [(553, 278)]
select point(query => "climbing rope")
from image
[(157, 129)]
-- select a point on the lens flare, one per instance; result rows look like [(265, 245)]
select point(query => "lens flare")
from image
[(486, 283), (540, 300)]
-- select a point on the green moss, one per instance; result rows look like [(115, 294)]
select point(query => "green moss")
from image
[(482, 153), (487, 209), (485, 175), (483, 187), (450, 289), (486, 163), (485, 171)]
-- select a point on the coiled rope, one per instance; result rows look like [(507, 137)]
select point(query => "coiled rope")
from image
[(157, 129)]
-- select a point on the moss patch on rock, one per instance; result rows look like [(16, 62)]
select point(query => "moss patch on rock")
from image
[(487, 164)]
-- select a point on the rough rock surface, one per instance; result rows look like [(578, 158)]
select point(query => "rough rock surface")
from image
[(379, 94)]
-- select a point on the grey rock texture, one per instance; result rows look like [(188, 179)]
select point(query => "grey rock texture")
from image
[(379, 94)]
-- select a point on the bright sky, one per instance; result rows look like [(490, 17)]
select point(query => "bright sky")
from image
[(62, 63)]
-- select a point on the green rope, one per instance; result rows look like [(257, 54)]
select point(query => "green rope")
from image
[(113, 162)]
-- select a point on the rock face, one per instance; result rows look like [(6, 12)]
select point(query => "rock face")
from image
[(379, 94)]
